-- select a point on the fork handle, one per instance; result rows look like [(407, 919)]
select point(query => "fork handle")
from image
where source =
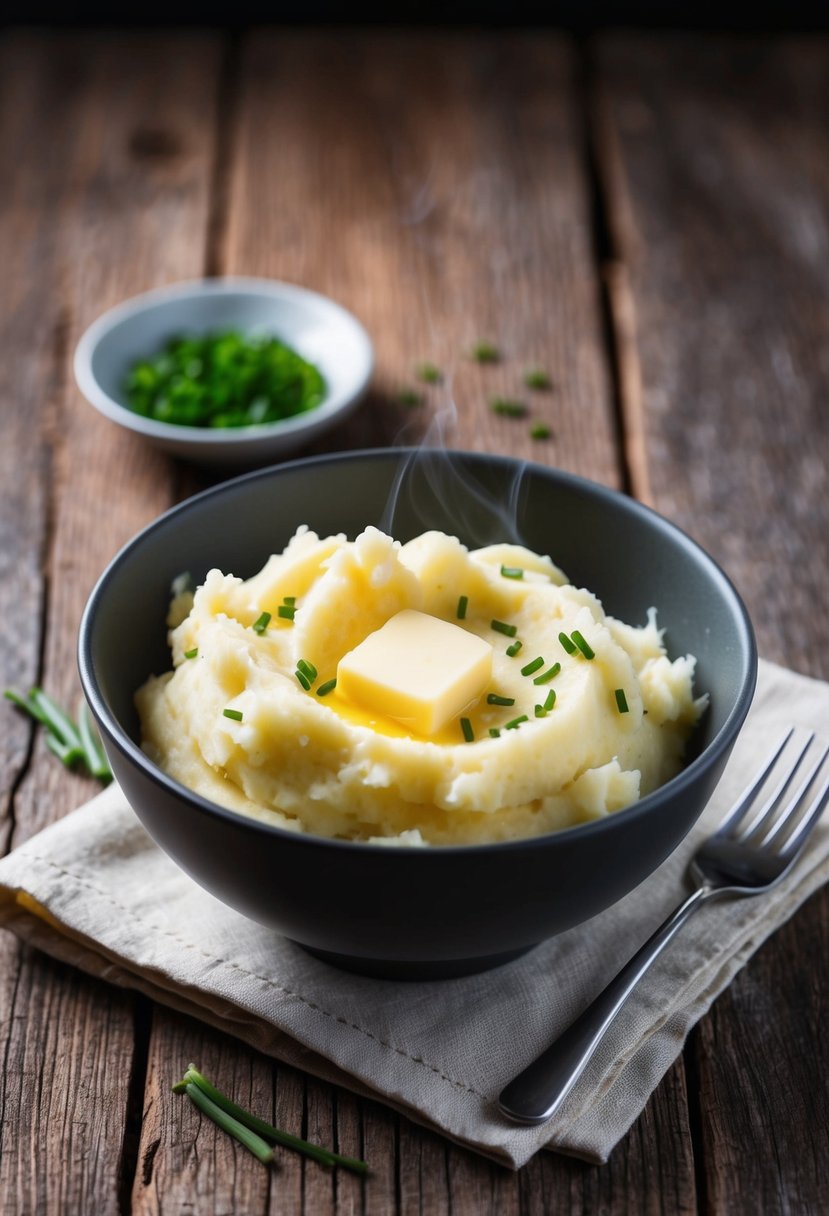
[(536, 1093)]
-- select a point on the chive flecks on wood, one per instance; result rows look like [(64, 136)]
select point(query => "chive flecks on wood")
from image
[(540, 430), (327, 687), (468, 732), (548, 675), (494, 698), (463, 604), (235, 715), (567, 643), (537, 378), (261, 623), (503, 627), (621, 701), (428, 373), (260, 1127), (409, 398), (583, 645), (508, 407), (514, 647), (485, 352), (223, 380)]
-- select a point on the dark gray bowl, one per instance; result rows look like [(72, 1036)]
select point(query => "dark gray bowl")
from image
[(441, 911)]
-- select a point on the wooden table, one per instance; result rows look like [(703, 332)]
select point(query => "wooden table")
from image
[(647, 217)]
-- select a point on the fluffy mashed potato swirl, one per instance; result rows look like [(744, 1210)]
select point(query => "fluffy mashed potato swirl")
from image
[(234, 722)]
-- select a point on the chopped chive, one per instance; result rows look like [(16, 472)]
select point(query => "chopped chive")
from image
[(494, 732), (550, 700), (533, 665), (307, 669), (494, 698), (583, 645), (540, 711), (327, 687), (262, 622), (193, 1077), (513, 649), (463, 604), (235, 714), (428, 373), (303, 679), (93, 750), (502, 627), (410, 398), (512, 572), (485, 352), (567, 643), (290, 600), (548, 675), (516, 722), (286, 612), (540, 430), (192, 654), (508, 407), (621, 701), (468, 732), (536, 377)]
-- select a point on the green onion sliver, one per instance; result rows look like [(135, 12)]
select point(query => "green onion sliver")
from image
[(512, 572), (516, 722), (327, 687), (463, 604), (261, 623), (286, 612), (533, 665), (502, 627), (468, 732), (569, 645), (548, 675), (494, 698), (57, 720), (512, 650), (583, 645), (267, 1130), (307, 669), (93, 751), (192, 654), (234, 714), (65, 752), (621, 701), (255, 1144), (550, 700)]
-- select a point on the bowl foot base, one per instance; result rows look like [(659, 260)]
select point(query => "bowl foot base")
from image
[(440, 969)]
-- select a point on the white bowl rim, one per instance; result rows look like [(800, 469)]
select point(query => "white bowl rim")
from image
[(333, 404)]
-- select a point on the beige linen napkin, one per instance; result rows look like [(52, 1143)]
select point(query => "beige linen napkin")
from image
[(95, 891)]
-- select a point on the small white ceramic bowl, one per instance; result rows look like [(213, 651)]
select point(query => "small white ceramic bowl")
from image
[(321, 331)]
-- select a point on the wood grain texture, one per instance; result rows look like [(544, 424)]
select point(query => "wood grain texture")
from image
[(435, 185), (715, 162), (109, 142), (719, 213)]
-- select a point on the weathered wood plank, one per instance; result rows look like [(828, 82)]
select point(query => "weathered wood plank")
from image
[(434, 184), (110, 151), (714, 155)]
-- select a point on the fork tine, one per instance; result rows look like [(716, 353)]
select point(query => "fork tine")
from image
[(794, 805), (800, 834), (763, 817), (746, 799)]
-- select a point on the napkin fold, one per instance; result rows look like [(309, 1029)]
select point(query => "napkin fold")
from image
[(95, 891)]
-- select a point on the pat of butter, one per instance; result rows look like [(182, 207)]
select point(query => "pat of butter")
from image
[(417, 669)]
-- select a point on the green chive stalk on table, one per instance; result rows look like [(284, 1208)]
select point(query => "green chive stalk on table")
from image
[(76, 743), (249, 1129)]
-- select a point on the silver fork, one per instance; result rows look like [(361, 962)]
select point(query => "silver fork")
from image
[(751, 852)]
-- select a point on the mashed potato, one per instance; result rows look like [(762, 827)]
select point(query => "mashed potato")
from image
[(234, 722)]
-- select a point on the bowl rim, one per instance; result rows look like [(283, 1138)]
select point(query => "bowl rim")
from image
[(332, 404), (720, 744)]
